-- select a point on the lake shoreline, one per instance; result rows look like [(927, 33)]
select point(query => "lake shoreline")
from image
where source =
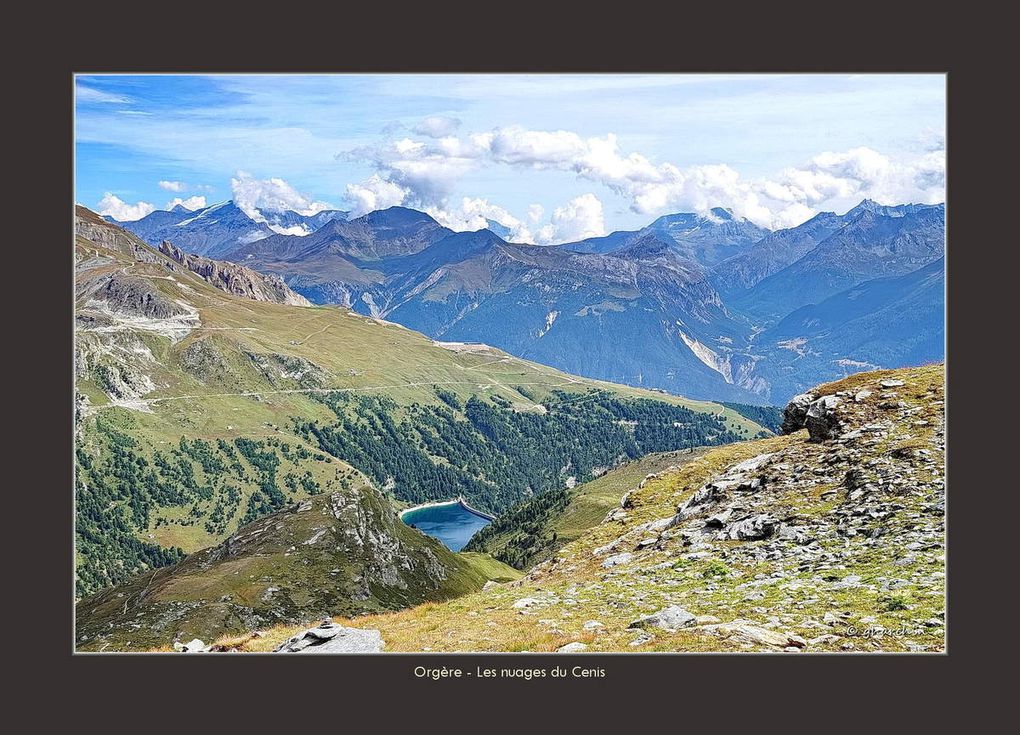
[(440, 503)]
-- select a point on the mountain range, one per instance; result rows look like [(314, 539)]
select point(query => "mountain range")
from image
[(702, 305), (220, 227)]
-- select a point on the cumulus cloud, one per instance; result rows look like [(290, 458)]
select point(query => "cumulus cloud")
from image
[(253, 196), (372, 194), (475, 214), (437, 126), (299, 230), (578, 219), (427, 171), (191, 203), (113, 206)]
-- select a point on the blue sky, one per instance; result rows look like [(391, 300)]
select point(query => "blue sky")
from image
[(551, 156)]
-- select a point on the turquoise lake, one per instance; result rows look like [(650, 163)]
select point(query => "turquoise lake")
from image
[(451, 523)]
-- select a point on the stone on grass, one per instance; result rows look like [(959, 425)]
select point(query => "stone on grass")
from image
[(576, 647), (671, 618), (328, 637)]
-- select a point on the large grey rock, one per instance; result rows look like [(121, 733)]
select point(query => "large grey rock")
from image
[(753, 528), (747, 634), (329, 637), (192, 646), (671, 618), (796, 412), (821, 421), (617, 559)]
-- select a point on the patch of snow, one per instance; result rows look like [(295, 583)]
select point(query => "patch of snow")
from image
[(250, 237), (370, 302)]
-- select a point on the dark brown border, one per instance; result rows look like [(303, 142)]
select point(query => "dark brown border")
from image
[(335, 693)]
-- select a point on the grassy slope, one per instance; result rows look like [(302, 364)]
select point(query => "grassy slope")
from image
[(715, 584)]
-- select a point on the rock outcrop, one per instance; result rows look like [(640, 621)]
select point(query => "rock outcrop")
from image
[(236, 279), (795, 413), (822, 421), (818, 415)]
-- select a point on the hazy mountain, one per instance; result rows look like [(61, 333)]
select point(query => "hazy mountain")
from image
[(216, 229), (706, 239), (871, 241), (772, 253), (886, 321)]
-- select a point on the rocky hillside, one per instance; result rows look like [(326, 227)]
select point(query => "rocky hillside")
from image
[(343, 552), (829, 538)]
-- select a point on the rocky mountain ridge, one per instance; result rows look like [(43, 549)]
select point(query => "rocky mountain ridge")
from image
[(236, 279)]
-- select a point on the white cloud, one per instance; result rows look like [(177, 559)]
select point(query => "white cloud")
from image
[(578, 219), (474, 214), (91, 94), (253, 195), (175, 186), (437, 126), (428, 171), (113, 206), (192, 203), (374, 193), (299, 230)]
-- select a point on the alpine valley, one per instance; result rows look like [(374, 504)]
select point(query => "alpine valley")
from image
[(242, 454)]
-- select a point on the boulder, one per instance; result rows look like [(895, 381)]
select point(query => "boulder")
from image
[(617, 559), (753, 528), (743, 632), (821, 420), (671, 618), (576, 647), (192, 646), (329, 637), (795, 413)]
